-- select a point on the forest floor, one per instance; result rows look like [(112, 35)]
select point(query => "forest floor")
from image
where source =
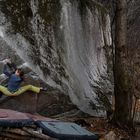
[(105, 129), (101, 127)]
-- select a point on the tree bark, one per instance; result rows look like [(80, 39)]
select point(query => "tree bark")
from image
[(122, 78)]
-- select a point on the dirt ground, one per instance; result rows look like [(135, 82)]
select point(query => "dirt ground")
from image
[(100, 126)]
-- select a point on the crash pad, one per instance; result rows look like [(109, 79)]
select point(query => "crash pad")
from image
[(11, 118), (66, 131)]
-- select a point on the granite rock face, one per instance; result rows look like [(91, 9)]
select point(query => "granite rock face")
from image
[(68, 43)]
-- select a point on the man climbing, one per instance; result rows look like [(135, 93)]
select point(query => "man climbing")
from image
[(13, 88), (8, 69)]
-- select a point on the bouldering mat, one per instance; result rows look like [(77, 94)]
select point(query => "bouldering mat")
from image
[(66, 131), (9, 118)]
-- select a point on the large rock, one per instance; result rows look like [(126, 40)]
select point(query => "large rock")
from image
[(68, 43), (47, 103)]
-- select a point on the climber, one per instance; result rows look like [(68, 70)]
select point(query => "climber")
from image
[(13, 88)]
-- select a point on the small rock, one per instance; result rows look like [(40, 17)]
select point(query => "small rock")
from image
[(110, 136)]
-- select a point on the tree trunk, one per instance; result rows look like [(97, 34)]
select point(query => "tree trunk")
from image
[(122, 79)]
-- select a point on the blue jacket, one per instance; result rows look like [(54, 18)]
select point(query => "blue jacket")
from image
[(14, 80), (14, 83)]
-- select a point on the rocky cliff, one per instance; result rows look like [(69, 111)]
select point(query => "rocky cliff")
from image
[(67, 42)]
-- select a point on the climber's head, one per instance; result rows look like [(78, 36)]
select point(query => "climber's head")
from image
[(19, 72)]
